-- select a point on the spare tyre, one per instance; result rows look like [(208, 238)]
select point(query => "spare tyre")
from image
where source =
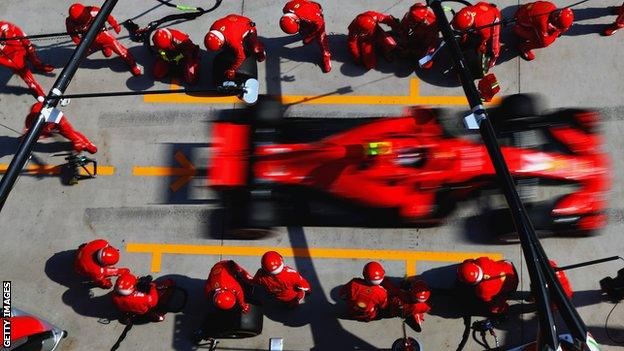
[(233, 324)]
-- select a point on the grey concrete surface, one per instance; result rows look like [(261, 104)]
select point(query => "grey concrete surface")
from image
[(43, 220)]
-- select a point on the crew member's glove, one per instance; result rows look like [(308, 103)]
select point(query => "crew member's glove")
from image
[(245, 308), (230, 73), (117, 29), (144, 284)]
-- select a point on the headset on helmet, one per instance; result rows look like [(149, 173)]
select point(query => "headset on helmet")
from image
[(76, 11), (374, 273), (272, 262), (469, 272), (366, 23), (224, 299), (162, 39), (463, 20), (107, 256), (214, 40), (563, 18), (125, 284)]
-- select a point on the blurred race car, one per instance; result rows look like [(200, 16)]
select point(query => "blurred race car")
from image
[(270, 170), (32, 333)]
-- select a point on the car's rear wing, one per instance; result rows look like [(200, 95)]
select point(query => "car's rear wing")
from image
[(229, 162)]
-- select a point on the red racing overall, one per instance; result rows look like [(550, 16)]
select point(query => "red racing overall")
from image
[(365, 33), (104, 41), (419, 32), (363, 299), (619, 22), (15, 54), (86, 264), (499, 281), (311, 26), (288, 286), (535, 27), (225, 275), (79, 141), (180, 52), (488, 38), (238, 33)]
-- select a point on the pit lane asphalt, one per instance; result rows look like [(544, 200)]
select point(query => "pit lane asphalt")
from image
[(44, 219)]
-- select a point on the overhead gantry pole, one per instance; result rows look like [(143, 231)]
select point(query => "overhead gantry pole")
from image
[(544, 284), (49, 112)]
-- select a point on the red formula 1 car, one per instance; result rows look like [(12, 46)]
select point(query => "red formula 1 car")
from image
[(271, 171), (31, 333)]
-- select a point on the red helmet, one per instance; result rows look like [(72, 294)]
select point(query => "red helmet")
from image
[(562, 19), (463, 20), (125, 284), (77, 11), (374, 273), (418, 13), (469, 272), (162, 39), (224, 299), (289, 23), (420, 290), (366, 23), (272, 262), (214, 40), (107, 256)]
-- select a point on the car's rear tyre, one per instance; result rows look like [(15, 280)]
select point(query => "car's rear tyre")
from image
[(251, 214)]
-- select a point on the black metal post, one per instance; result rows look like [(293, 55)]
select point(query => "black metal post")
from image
[(588, 263), (28, 143), (547, 336)]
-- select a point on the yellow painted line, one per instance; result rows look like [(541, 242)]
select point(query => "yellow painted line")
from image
[(410, 257), (413, 98), (186, 173), (51, 170)]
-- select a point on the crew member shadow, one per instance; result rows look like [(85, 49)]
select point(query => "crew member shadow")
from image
[(450, 300), (59, 268), (590, 13), (192, 315)]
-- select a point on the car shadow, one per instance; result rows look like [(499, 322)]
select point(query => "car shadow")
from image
[(78, 296), (590, 13)]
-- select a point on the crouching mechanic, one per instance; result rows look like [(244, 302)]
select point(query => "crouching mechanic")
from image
[(15, 55), (63, 127), (485, 40), (96, 260), (237, 33), (142, 297), (492, 282), (306, 17), (366, 297), (365, 33), (410, 301), (282, 282), (80, 19), (419, 33), (224, 286), (539, 24), (176, 52)]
